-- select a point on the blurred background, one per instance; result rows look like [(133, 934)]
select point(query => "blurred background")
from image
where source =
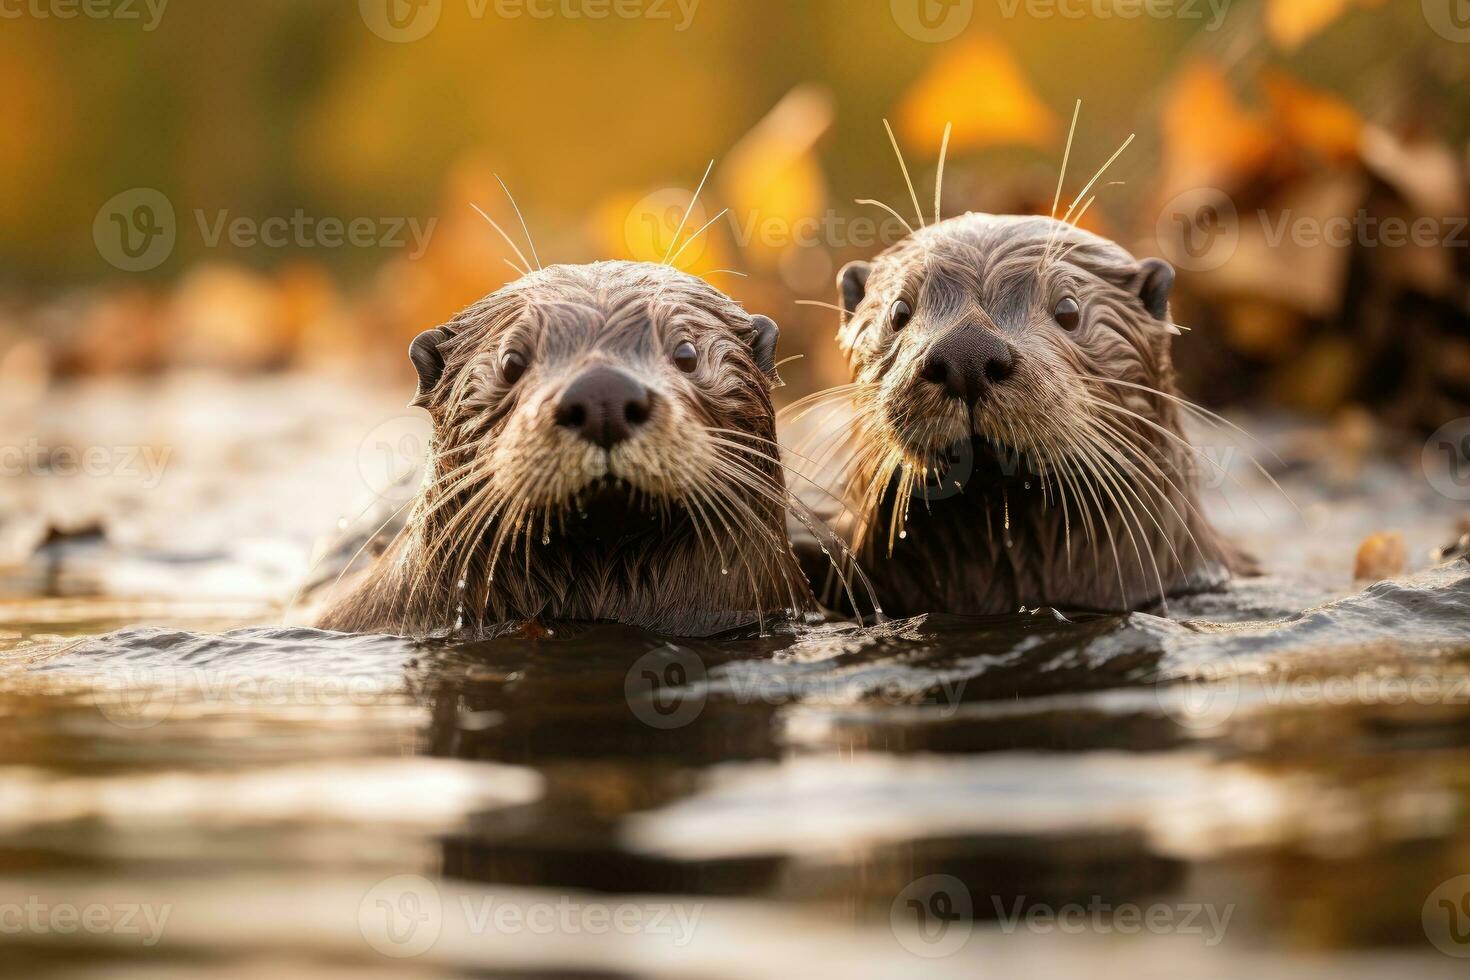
[(305, 171), (222, 223)]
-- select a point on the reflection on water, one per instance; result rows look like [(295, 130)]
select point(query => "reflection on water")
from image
[(1274, 779)]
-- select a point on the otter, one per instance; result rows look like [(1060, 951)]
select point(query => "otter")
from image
[(1016, 438), (603, 450)]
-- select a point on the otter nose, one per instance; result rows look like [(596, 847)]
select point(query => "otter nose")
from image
[(604, 406), (967, 361)]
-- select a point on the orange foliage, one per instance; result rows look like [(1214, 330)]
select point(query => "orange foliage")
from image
[(1208, 135), (979, 87), (1290, 23), (1315, 120)]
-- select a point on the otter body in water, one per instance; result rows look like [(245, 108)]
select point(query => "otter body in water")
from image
[(603, 449), (1017, 438)]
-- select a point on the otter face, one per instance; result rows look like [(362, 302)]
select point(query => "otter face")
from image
[(999, 328), (618, 382)]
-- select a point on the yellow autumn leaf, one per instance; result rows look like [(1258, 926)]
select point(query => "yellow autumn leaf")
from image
[(773, 182), (1313, 119), (980, 88), (1208, 135), (1290, 23)]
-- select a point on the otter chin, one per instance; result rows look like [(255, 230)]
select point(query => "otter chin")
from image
[(1016, 436), (603, 450)]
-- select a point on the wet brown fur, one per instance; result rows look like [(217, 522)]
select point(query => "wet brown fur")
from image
[(496, 535)]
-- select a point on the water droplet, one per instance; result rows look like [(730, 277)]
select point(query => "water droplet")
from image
[(1009, 542), (546, 539), (461, 583), (903, 534), (1028, 484), (724, 571)]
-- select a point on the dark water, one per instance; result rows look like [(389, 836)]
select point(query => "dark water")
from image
[(797, 799), (1268, 781)]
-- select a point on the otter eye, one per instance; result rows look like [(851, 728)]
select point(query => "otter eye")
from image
[(900, 314), (512, 366), (1068, 313), (686, 357)]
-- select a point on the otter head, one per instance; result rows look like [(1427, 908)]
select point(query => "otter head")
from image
[(1002, 329), (615, 421)]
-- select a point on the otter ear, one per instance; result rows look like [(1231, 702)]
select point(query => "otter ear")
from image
[(852, 284), (1155, 279), (763, 347), (428, 361)]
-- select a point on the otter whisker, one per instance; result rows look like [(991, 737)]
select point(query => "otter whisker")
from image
[(673, 243), (939, 177), (1097, 176), (905, 168), (1088, 482), (1144, 457), (524, 227), (514, 247), (1066, 157), (1178, 440), (880, 204), (1113, 478), (1116, 463), (1204, 413), (784, 500), (695, 237)]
